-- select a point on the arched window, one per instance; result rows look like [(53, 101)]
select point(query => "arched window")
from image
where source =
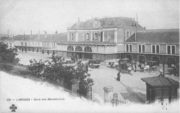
[(87, 49), (70, 48), (78, 48)]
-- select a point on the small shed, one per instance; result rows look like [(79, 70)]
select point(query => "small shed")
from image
[(161, 89)]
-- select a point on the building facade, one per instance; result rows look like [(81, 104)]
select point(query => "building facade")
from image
[(40, 43), (100, 39), (103, 39), (154, 45)]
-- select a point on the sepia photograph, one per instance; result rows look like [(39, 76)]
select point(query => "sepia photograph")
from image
[(89, 56)]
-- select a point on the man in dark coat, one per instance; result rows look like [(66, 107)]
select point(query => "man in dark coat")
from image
[(118, 76)]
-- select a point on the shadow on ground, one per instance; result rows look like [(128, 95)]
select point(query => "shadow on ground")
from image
[(135, 97)]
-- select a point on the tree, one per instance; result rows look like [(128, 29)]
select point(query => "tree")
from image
[(7, 57), (54, 70)]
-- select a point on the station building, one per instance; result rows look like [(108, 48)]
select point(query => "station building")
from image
[(104, 39), (99, 38)]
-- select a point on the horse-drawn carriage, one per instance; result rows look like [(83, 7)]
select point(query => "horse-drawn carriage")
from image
[(126, 66), (94, 63), (153, 65), (148, 66), (114, 63)]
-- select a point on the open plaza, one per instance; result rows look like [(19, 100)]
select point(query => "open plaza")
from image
[(130, 88)]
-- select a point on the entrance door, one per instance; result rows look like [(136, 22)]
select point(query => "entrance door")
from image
[(79, 55), (88, 55), (170, 61), (141, 59), (156, 59), (129, 57)]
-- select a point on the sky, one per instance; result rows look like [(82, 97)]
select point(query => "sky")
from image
[(22, 16)]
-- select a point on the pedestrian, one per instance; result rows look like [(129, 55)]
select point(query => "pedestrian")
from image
[(161, 73), (135, 67), (118, 76), (174, 70), (112, 63), (86, 68)]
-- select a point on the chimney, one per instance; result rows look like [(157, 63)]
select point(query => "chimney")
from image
[(144, 29), (77, 24), (56, 32), (31, 35), (24, 35), (39, 35), (45, 34), (13, 37), (135, 31), (8, 33), (136, 18)]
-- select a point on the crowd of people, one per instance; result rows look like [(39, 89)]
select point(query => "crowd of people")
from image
[(126, 66)]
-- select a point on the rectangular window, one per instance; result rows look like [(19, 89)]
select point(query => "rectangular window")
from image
[(127, 48), (143, 48), (168, 49), (153, 48), (157, 48), (127, 34), (21, 43), (173, 50), (87, 36), (130, 48), (139, 48)]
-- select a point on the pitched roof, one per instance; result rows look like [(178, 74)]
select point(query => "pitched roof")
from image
[(106, 22), (160, 81), (156, 36), (62, 37)]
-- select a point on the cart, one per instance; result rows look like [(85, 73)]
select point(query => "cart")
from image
[(153, 65), (94, 63)]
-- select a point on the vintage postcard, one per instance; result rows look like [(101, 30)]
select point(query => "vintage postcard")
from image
[(89, 56)]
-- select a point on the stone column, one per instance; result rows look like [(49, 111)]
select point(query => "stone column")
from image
[(75, 86), (108, 94)]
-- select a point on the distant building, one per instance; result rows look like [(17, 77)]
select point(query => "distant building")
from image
[(44, 43), (7, 40)]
